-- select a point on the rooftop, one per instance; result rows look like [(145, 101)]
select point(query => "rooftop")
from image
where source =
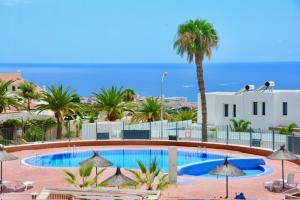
[(257, 92), (16, 77)]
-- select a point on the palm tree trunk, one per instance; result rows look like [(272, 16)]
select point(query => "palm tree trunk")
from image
[(28, 104), (201, 86), (59, 120)]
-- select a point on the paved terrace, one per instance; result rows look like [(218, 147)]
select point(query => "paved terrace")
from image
[(192, 187)]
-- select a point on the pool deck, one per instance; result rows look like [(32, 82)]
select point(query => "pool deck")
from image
[(189, 187)]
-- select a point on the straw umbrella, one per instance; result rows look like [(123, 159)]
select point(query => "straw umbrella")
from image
[(97, 161), (4, 156), (227, 170), (282, 154), (118, 179)]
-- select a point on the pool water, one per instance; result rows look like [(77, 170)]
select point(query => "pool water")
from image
[(127, 158), (124, 158)]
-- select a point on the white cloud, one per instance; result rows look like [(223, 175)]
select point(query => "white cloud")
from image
[(13, 2)]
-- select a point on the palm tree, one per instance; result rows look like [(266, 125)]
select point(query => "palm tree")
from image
[(240, 125), (110, 101), (61, 102), (28, 92), (197, 39), (183, 115), (148, 111), (7, 100), (152, 178), (128, 95), (289, 130), (91, 112), (85, 172)]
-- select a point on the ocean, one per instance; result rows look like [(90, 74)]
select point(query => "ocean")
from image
[(145, 79)]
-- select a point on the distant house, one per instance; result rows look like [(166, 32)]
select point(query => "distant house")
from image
[(13, 89), (17, 81), (264, 107)]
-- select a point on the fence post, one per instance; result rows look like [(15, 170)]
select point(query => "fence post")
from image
[(250, 135), (44, 134), (150, 129), (69, 130), (227, 134), (176, 131), (96, 128), (273, 140), (122, 134)]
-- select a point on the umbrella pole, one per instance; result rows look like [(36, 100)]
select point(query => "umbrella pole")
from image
[(282, 165), (1, 177), (96, 176), (226, 187)]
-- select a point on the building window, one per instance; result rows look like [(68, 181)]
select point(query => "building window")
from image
[(263, 108), (225, 110), (254, 108), (284, 108), (13, 88), (234, 110)]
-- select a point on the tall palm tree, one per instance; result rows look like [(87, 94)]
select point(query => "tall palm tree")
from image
[(28, 92), (151, 177), (128, 95), (7, 100), (148, 111), (240, 125), (197, 38), (60, 101), (110, 101)]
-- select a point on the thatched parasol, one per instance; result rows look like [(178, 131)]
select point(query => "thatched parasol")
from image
[(227, 170), (97, 161), (283, 154), (4, 156), (118, 179)]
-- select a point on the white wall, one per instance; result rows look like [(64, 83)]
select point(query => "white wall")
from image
[(244, 103), (25, 115), (89, 129)]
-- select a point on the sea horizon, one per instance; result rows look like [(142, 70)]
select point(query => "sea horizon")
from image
[(144, 78)]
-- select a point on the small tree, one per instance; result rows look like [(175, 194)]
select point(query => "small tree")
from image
[(152, 178), (28, 92), (289, 130), (111, 102), (6, 100), (61, 102), (148, 111), (240, 125), (183, 115), (128, 95), (85, 180)]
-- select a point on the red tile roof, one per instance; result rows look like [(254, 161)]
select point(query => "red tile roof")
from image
[(16, 77)]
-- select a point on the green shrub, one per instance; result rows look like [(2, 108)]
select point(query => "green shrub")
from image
[(69, 134), (33, 134), (240, 125), (289, 130)]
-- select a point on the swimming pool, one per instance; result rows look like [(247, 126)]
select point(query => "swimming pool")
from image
[(127, 158)]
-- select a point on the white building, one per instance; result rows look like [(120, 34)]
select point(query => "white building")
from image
[(264, 107)]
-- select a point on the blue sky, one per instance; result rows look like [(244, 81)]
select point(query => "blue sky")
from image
[(126, 31)]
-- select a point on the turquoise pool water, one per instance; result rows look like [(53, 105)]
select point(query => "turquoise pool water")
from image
[(127, 158)]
